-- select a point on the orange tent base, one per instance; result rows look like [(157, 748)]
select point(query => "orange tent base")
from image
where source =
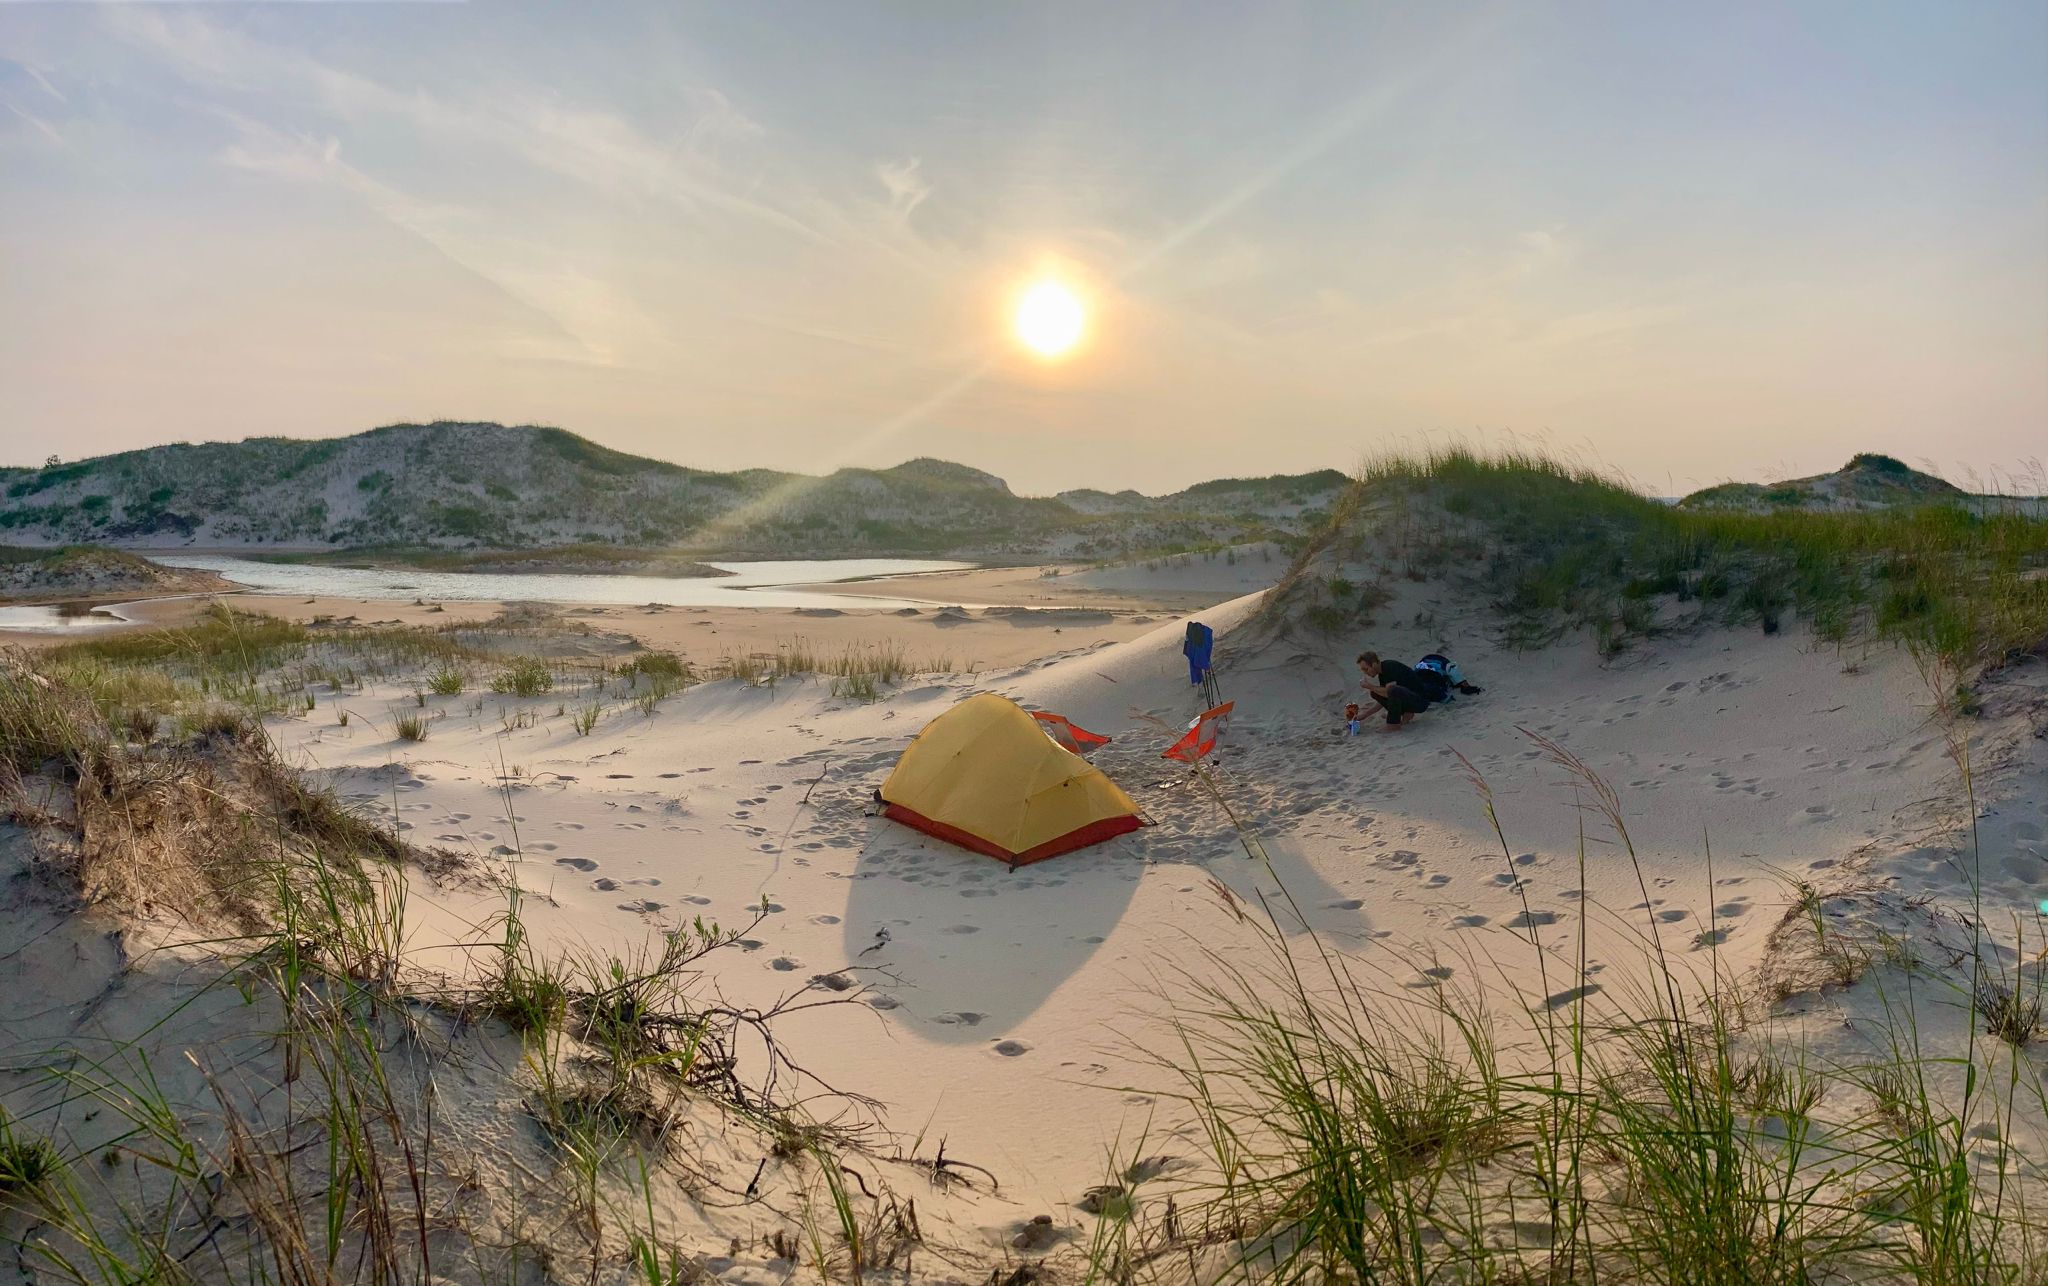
[(1092, 833)]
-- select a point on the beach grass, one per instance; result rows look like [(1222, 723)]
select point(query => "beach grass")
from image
[(1559, 547), (316, 1114), (1574, 1127)]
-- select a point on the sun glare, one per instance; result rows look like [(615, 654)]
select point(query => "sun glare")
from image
[(1050, 319)]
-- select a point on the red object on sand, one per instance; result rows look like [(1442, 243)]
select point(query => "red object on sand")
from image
[(1068, 733), (1201, 735)]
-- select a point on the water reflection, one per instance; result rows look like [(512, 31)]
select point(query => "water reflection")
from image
[(748, 584)]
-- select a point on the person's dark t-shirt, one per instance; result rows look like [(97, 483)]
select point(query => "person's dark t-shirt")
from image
[(1392, 672)]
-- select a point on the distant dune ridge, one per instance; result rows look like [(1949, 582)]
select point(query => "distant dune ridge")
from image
[(1868, 481), (460, 485)]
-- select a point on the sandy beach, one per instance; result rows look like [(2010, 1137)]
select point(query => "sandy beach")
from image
[(1012, 1010)]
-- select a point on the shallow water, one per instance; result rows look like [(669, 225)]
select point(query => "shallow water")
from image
[(750, 585), (62, 618)]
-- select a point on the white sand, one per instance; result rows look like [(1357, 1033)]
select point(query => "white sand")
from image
[(1004, 1007)]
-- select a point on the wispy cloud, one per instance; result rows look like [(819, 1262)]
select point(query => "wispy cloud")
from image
[(598, 149), (906, 187)]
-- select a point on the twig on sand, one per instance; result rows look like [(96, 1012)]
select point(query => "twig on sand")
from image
[(942, 1165)]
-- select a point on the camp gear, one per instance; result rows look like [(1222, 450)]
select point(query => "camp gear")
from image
[(984, 777), (1068, 733), (1201, 735), (1198, 648), (1430, 683), (1441, 664), (1351, 719), (1438, 663)]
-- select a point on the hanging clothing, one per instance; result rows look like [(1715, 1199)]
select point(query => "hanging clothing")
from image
[(1199, 647)]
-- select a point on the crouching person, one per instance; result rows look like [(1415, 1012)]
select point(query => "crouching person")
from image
[(1394, 686)]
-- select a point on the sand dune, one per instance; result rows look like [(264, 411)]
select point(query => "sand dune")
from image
[(1008, 1005)]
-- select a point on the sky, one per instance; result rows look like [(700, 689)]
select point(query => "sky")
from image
[(1687, 242)]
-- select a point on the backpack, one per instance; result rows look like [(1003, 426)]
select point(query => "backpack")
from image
[(1438, 663), (1445, 669), (1432, 685)]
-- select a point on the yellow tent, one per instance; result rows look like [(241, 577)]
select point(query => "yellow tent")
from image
[(983, 776)]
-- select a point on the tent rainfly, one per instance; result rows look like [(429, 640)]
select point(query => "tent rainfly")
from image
[(984, 777)]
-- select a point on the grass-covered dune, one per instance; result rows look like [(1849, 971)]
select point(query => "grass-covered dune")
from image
[(472, 486), (1868, 481), (225, 1059), (1555, 549), (83, 571)]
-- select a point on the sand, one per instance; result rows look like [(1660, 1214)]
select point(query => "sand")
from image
[(962, 638), (1012, 1014), (1009, 1011)]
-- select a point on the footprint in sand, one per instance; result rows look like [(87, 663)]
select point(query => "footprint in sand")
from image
[(878, 1000), (667, 775), (1011, 1048), (1533, 919), (1731, 910), (784, 964), (964, 1018), (1469, 922), (963, 928), (1345, 904), (544, 846), (643, 906), (569, 826), (1563, 998), (824, 919), (576, 863), (696, 899), (605, 884)]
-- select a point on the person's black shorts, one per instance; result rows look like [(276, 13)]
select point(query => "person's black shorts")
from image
[(1401, 701)]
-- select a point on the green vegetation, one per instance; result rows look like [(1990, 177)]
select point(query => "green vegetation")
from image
[(414, 487), (410, 726), (1629, 1129), (358, 1171), (26, 1163), (526, 676), (1561, 548), (1869, 480)]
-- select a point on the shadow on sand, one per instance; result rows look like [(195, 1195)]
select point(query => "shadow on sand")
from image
[(975, 948)]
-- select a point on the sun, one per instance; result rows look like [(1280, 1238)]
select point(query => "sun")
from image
[(1050, 319)]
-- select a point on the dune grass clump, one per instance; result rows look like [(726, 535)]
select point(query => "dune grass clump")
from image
[(445, 682), (27, 1162), (655, 665), (526, 676), (410, 726), (858, 670)]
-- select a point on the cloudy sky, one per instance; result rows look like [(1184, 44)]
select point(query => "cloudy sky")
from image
[(1690, 242)]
